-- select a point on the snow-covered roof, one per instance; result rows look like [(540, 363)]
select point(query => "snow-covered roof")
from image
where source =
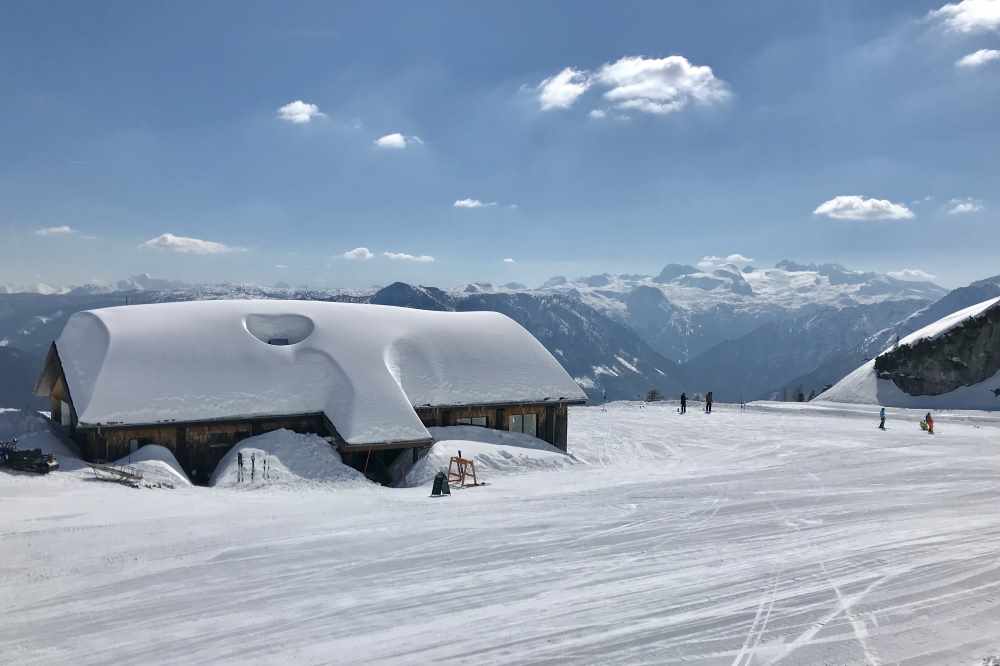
[(863, 385), (365, 366)]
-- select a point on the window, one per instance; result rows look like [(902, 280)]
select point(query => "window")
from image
[(526, 423), (472, 420), (530, 425)]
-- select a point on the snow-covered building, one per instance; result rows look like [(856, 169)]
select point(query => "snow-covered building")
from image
[(197, 377)]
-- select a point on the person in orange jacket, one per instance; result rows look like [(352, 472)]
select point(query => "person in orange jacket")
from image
[(930, 423)]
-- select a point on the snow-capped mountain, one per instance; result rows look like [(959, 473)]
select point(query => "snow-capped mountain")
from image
[(685, 310), (953, 362)]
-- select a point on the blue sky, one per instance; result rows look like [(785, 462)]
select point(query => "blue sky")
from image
[(727, 128)]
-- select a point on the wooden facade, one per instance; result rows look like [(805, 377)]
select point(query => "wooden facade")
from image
[(200, 445)]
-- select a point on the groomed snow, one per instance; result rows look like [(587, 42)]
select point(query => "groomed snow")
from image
[(364, 366), (862, 386), (783, 534), (494, 452), (293, 460)]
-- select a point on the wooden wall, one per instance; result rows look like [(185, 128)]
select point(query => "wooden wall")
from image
[(198, 447), (551, 419)]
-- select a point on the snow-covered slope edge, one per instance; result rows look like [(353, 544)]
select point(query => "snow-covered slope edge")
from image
[(863, 386)]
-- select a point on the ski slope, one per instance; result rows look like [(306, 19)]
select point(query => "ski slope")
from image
[(783, 534)]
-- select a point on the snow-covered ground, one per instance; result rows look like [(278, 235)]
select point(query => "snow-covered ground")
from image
[(781, 534)]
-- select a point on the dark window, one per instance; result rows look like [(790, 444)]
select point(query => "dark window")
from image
[(281, 342)]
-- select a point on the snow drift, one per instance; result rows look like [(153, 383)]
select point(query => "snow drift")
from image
[(864, 386), (364, 366), (293, 459), (493, 451), (34, 431), (157, 464)]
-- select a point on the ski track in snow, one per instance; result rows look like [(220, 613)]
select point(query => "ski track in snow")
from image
[(770, 536)]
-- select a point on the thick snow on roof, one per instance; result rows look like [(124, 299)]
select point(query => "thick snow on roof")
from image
[(364, 366), (864, 387)]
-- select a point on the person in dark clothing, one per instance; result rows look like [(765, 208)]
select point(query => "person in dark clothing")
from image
[(881, 416), (253, 465), (239, 466), (708, 402), (684, 403)]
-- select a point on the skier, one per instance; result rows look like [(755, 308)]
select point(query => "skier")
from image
[(239, 466), (684, 403), (930, 423), (708, 402), (253, 464), (881, 416)]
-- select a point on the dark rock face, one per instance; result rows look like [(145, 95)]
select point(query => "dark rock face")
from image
[(671, 272), (967, 354)]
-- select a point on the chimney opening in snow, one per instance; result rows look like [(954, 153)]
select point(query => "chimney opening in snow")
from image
[(279, 330)]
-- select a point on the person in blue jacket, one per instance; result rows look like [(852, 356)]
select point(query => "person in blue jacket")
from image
[(881, 416)]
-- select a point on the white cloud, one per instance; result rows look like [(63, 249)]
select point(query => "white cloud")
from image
[(964, 206), (281, 266), (978, 58), (970, 16), (358, 254), (660, 85), (712, 262), (403, 256), (397, 141), (509, 260), (563, 89), (184, 245), (853, 207), (911, 274), (473, 203), (299, 112), (598, 114), (64, 230)]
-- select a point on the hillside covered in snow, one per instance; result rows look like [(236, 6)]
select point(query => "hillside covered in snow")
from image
[(952, 363)]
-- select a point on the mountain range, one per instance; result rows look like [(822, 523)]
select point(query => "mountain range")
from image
[(741, 331)]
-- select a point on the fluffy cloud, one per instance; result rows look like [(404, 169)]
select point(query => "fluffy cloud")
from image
[(712, 262), (299, 112), (660, 85), (403, 256), (650, 85), (853, 207), (64, 230), (978, 58), (911, 274), (964, 206), (184, 245), (509, 260), (358, 254), (397, 141), (473, 203), (970, 16), (563, 89)]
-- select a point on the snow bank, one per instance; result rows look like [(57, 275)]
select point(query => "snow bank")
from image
[(157, 464), (494, 452), (34, 431), (364, 366), (863, 386), (293, 459)]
